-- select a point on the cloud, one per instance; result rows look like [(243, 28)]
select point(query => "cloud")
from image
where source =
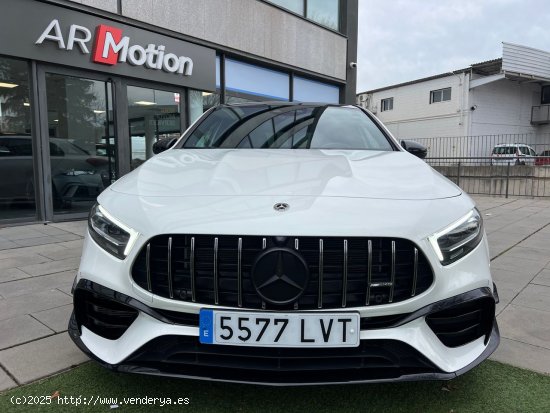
[(406, 40)]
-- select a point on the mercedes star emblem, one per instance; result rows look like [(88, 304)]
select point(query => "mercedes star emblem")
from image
[(280, 275), (281, 206)]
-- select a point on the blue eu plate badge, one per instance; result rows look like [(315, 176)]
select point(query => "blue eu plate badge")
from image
[(206, 326)]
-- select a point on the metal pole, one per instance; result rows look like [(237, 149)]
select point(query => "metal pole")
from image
[(458, 174), (507, 178)]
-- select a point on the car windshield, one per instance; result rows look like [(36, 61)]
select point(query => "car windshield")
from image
[(288, 127)]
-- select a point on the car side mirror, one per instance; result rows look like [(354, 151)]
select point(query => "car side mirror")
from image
[(163, 144), (415, 148)]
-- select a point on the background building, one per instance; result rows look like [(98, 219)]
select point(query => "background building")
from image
[(467, 111), (87, 86)]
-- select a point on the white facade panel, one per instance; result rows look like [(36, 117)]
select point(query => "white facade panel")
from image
[(525, 60), (413, 116), (504, 107)]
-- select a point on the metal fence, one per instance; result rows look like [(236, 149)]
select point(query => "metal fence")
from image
[(467, 161), (485, 176), (482, 145)]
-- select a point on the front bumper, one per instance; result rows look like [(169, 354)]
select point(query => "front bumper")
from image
[(437, 342)]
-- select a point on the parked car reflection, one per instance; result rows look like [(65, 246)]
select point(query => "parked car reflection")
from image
[(77, 175), (543, 158)]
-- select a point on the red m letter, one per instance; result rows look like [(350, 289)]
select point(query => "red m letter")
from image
[(107, 44)]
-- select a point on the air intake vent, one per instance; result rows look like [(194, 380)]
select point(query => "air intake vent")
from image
[(101, 315), (463, 323)]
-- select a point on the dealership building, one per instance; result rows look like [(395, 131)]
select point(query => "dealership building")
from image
[(87, 86)]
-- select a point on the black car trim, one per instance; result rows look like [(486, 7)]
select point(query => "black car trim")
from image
[(439, 375), (397, 320)]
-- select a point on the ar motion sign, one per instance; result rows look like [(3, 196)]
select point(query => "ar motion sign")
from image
[(111, 47)]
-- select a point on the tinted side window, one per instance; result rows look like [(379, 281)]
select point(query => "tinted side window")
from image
[(55, 150), (20, 147), (4, 148)]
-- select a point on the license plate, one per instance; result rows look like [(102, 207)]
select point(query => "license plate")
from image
[(239, 328)]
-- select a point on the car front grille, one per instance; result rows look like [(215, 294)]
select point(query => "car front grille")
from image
[(343, 272)]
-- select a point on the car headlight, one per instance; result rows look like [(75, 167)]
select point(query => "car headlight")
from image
[(111, 234), (459, 238)]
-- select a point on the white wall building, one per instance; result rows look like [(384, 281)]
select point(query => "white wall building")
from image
[(508, 97)]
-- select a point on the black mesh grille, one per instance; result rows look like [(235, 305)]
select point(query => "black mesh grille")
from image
[(101, 315), (463, 323), (190, 268)]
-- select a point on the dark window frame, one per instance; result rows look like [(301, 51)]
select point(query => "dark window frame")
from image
[(386, 104), (339, 21), (545, 95), (442, 93)]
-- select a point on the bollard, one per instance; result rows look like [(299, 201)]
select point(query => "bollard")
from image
[(458, 175), (507, 178)]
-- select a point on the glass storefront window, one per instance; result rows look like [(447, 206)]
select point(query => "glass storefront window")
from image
[(253, 83), (297, 6), (324, 12), (17, 187), (152, 115), (200, 102), (306, 90), (81, 139)]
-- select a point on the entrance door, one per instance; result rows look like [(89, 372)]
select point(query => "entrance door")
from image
[(81, 139)]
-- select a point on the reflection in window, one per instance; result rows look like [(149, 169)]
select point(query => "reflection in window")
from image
[(324, 12), (296, 6), (152, 115), (200, 102), (250, 82), (81, 142), (291, 127), (211, 132), (306, 90), (17, 188)]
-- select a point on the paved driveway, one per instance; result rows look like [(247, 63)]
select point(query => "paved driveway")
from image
[(38, 263)]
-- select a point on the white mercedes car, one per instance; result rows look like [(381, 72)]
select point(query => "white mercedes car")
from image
[(286, 244)]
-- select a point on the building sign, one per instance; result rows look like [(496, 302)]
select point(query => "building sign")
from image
[(63, 36), (111, 47)]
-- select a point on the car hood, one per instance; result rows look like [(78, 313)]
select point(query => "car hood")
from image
[(281, 172)]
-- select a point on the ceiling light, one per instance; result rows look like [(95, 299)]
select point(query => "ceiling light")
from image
[(99, 111), (206, 93), (8, 85), (26, 104), (56, 120), (144, 103)]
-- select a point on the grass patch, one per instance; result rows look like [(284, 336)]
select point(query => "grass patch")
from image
[(491, 387)]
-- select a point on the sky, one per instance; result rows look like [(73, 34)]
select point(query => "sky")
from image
[(403, 40)]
